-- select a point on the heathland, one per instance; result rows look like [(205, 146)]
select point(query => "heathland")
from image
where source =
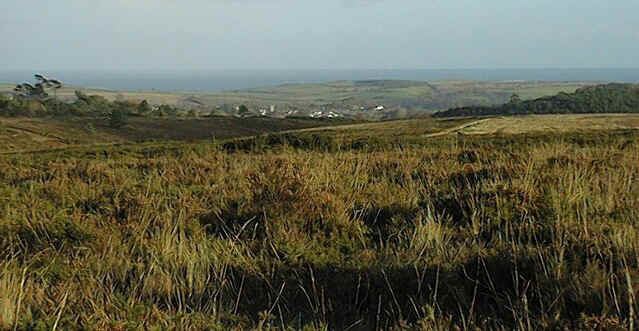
[(37, 134), (491, 223), (609, 98), (121, 213)]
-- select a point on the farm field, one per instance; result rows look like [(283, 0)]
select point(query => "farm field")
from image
[(516, 223), (421, 95)]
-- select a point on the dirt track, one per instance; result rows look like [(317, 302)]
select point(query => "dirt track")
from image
[(492, 125), (457, 129)]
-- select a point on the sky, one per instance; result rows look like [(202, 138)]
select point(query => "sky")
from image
[(317, 34)]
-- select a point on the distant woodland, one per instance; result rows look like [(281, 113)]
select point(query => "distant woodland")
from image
[(609, 98)]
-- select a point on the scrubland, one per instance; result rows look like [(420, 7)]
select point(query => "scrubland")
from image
[(326, 230), (23, 134)]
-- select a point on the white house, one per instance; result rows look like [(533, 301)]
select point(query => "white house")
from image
[(320, 114)]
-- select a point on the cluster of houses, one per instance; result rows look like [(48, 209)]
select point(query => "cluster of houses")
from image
[(333, 114), (376, 108), (323, 114), (286, 111), (266, 112)]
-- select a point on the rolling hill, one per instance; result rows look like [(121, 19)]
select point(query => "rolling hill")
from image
[(42, 134), (347, 96), (401, 225)]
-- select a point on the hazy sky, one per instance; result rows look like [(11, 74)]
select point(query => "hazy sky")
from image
[(317, 34)]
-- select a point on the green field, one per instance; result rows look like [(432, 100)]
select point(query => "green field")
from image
[(431, 224), (346, 95), (424, 95)]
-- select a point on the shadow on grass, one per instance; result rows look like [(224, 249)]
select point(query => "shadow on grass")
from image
[(490, 292)]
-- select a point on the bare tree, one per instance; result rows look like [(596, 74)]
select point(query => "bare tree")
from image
[(39, 90)]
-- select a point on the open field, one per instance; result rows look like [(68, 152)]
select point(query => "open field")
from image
[(346, 95), (41, 134), (372, 226), (553, 123), (25, 134), (428, 95), (416, 130)]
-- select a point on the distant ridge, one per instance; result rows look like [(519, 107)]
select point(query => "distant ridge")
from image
[(228, 80), (608, 98)]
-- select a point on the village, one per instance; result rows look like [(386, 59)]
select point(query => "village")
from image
[(312, 111)]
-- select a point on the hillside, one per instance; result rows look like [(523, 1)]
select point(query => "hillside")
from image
[(402, 225), (352, 98), (41, 134), (407, 94), (36, 135), (610, 98)]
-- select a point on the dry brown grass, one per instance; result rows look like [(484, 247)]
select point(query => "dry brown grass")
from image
[(531, 231), (553, 123), (43, 134)]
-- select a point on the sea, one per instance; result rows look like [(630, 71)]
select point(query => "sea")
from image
[(228, 80)]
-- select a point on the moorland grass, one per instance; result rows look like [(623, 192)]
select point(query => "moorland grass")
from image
[(23, 134), (531, 231)]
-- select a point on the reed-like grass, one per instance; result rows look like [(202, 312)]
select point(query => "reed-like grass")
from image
[(536, 231)]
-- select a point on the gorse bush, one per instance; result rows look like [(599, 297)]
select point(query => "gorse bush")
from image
[(514, 232), (118, 117)]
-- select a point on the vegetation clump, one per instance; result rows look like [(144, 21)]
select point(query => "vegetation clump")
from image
[(118, 117), (34, 101), (83, 106)]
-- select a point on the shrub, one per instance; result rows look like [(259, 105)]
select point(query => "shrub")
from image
[(118, 117)]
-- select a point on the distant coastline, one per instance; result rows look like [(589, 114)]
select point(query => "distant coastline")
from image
[(226, 80)]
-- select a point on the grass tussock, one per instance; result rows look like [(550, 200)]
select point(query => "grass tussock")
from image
[(310, 231)]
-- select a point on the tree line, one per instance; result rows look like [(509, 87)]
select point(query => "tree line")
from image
[(34, 100), (608, 98)]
